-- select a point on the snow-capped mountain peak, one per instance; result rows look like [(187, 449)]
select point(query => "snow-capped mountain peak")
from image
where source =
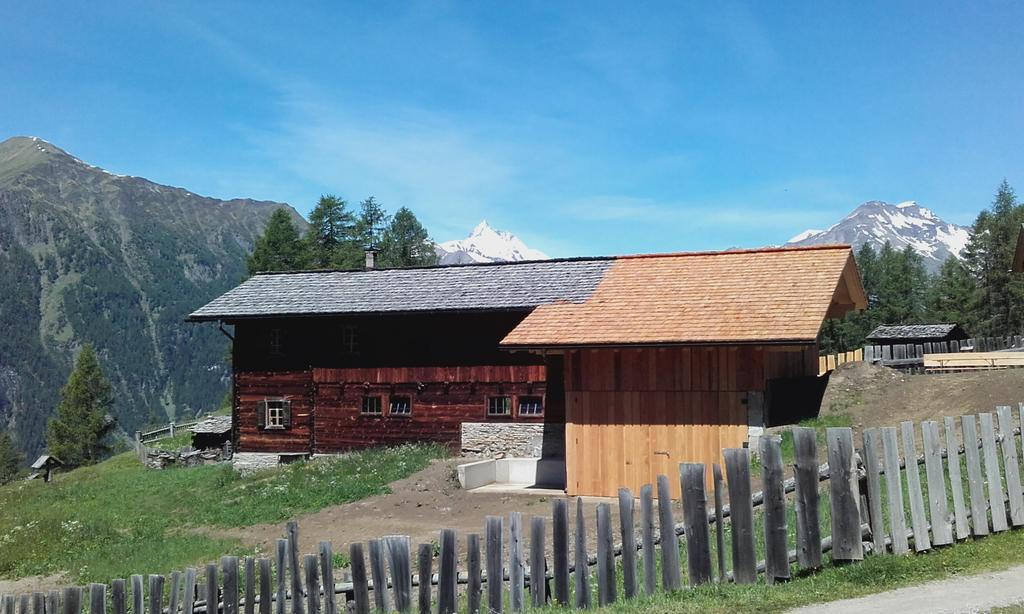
[(487, 244), (906, 223)]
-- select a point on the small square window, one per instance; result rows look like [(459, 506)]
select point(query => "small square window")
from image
[(276, 414), (531, 406), (499, 406), (371, 406), (400, 406)]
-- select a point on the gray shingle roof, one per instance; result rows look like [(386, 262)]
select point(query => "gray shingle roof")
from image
[(912, 331), (216, 425), (450, 288)]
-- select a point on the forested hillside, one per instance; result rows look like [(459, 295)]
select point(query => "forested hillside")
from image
[(88, 256)]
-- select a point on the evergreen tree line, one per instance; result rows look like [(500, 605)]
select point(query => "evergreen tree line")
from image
[(977, 291), (338, 237)]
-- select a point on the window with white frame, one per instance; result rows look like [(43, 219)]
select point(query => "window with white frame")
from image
[(531, 406), (371, 406), (499, 406), (400, 406), (277, 414)]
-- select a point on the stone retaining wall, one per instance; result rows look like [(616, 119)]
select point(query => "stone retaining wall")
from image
[(513, 440)]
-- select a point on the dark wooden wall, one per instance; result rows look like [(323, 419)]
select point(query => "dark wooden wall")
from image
[(447, 365)]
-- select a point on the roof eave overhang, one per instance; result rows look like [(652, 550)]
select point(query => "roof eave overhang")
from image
[(537, 347), (352, 314)]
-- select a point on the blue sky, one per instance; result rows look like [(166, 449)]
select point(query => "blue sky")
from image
[(585, 128)]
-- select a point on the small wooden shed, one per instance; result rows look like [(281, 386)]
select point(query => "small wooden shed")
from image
[(211, 433), (45, 466), (916, 334)]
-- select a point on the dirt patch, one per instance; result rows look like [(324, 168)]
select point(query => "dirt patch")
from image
[(872, 395), (34, 584), (418, 506)]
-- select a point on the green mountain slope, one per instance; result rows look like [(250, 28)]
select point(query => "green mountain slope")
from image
[(88, 256)]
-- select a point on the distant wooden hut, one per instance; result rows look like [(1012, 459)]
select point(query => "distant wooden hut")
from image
[(44, 466), (916, 334), (211, 433)]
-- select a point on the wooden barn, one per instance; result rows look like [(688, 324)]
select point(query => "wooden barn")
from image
[(899, 334), (629, 365)]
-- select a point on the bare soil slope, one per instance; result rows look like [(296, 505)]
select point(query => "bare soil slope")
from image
[(878, 396)]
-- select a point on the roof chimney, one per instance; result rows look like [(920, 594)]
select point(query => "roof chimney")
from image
[(371, 258)]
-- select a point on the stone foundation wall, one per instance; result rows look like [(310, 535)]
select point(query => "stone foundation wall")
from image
[(513, 440), (248, 462), (161, 459)]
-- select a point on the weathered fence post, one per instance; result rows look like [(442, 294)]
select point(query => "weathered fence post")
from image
[(475, 583), (538, 568), (846, 544), (942, 532), (918, 517), (379, 575), (266, 587), (515, 561), (872, 444), (156, 595), (97, 599), (695, 522), (494, 529), (975, 483), (776, 553), (581, 578), (360, 590), (671, 574), (741, 515), (647, 538), (188, 603), (424, 562), (398, 557), (138, 605), (118, 599), (212, 590), (719, 522), (172, 604), (327, 573), (628, 543), (293, 562), (230, 566), (282, 576), (560, 551), (250, 585), (1011, 466), (313, 588), (448, 574), (605, 556), (993, 477), (71, 599), (894, 490), (53, 601)]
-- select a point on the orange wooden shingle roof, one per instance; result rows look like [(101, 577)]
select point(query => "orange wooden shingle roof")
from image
[(770, 295)]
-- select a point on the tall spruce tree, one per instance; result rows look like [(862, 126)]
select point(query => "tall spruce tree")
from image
[(331, 241), (80, 433), (953, 296), (279, 248), (11, 461), (989, 256), (405, 242), (371, 223)]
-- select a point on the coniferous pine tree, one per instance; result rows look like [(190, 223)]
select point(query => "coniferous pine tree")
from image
[(331, 240), (989, 256), (405, 242), (953, 296), (370, 223), (11, 461), (279, 248), (80, 433)]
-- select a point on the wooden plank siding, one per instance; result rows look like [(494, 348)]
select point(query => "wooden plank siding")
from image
[(632, 414), (326, 404)]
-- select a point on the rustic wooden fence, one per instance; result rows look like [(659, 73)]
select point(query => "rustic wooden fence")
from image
[(168, 430), (911, 356), (828, 362), (960, 479)]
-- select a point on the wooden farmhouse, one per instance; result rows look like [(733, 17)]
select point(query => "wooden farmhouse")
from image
[(622, 366)]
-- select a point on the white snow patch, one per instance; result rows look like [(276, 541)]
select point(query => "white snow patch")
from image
[(807, 234)]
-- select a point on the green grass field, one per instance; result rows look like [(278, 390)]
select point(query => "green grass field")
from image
[(118, 518)]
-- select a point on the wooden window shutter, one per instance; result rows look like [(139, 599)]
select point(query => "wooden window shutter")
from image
[(286, 412), (261, 414)]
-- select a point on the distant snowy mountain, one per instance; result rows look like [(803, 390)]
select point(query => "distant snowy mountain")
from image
[(485, 244), (907, 223)]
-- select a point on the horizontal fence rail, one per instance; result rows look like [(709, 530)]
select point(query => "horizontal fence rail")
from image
[(912, 356), (904, 490)]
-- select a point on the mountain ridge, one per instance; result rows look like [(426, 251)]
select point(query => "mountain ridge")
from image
[(903, 224), (486, 244), (117, 261)]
